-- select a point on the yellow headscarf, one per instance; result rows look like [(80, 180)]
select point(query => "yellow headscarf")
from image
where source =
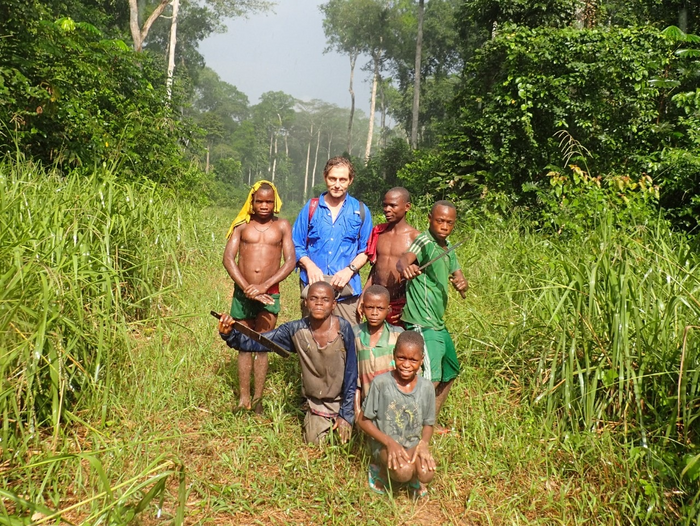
[(247, 210)]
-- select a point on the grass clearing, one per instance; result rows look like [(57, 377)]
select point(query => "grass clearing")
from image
[(164, 444)]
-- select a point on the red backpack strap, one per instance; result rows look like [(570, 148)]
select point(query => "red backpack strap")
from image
[(313, 204)]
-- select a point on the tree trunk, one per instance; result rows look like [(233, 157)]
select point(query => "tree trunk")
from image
[(274, 159), (416, 76), (140, 34), (313, 172), (377, 56), (353, 61), (269, 155), (206, 168), (382, 122), (308, 156), (171, 53)]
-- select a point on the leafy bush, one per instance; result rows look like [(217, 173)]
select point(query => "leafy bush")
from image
[(73, 99), (602, 86)]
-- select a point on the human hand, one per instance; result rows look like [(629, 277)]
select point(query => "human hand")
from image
[(265, 298), (225, 324), (313, 273), (426, 462), (344, 429), (459, 283), (411, 271), (252, 291), (396, 456), (341, 278)]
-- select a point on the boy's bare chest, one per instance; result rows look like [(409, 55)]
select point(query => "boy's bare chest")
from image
[(393, 245), (261, 234)]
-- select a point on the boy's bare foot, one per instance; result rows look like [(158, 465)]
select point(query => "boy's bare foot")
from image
[(258, 406), (417, 490)]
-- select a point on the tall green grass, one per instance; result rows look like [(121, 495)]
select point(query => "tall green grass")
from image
[(82, 261), (599, 332)]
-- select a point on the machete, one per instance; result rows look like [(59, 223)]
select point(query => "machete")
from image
[(440, 256), (256, 336)]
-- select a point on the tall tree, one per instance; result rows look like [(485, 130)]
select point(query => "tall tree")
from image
[(343, 26), (416, 75)]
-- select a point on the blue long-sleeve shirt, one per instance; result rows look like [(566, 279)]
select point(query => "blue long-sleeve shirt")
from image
[(332, 245), (293, 337)]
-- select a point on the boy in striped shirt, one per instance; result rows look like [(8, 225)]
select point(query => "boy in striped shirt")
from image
[(374, 340)]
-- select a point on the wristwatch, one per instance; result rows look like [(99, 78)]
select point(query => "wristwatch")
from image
[(354, 269)]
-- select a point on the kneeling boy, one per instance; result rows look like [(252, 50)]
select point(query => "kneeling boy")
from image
[(398, 414), (325, 345)]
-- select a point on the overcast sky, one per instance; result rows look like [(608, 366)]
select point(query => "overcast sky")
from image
[(283, 51)]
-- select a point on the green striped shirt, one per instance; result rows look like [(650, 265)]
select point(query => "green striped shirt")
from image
[(426, 295)]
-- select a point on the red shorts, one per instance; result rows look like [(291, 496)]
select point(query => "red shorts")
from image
[(395, 309)]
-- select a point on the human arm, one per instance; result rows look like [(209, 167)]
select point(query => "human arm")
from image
[(282, 336), (406, 266), (421, 453), (300, 236), (344, 275), (347, 399), (230, 253)]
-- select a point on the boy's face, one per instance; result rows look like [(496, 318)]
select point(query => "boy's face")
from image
[(395, 207), (338, 181), (320, 301), (264, 202), (375, 309), (442, 221), (408, 359)]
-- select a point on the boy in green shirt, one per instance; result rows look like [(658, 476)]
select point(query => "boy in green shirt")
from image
[(426, 297)]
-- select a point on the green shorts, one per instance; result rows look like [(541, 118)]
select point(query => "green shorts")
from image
[(243, 308), (440, 356)]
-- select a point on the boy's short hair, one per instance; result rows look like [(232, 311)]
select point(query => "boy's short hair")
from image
[(412, 338), (443, 202), (378, 290), (405, 194), (264, 186)]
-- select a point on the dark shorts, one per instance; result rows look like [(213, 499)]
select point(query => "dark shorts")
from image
[(243, 308), (440, 356)]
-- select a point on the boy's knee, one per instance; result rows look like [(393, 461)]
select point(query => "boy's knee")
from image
[(403, 474), (424, 475)]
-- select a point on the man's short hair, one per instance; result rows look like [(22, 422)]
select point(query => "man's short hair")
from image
[(323, 284), (412, 338), (443, 202), (405, 194), (378, 290), (339, 161)]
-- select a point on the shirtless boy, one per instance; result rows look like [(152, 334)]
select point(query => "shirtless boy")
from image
[(325, 345), (259, 240), (386, 245)]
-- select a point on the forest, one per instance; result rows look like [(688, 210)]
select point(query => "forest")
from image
[(567, 134)]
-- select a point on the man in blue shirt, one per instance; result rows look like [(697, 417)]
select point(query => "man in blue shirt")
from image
[(330, 238)]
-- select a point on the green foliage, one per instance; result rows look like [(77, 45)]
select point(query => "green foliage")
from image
[(71, 99), (602, 86), (380, 173)]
